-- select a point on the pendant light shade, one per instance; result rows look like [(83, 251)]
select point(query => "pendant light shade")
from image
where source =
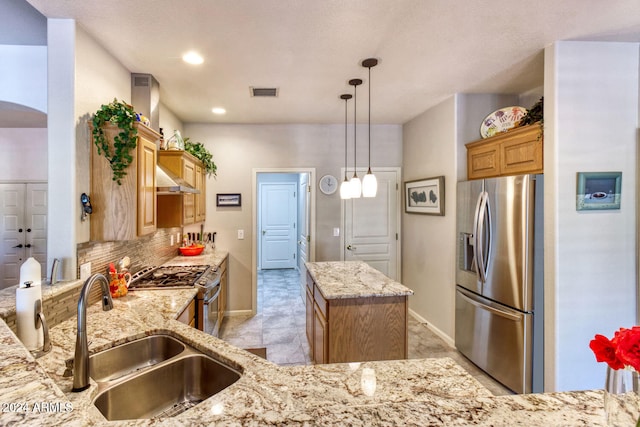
[(369, 182), (356, 185), (345, 187)]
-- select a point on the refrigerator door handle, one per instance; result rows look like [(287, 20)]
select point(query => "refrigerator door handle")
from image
[(473, 239), (494, 310), (483, 227)]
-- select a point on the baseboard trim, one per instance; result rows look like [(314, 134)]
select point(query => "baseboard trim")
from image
[(446, 338), (238, 313)]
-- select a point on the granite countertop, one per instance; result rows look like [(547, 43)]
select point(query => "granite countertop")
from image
[(353, 279), (406, 392)]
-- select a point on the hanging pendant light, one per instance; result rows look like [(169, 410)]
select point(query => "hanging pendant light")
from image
[(345, 187), (356, 185), (369, 182)]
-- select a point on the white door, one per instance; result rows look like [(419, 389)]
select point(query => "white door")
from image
[(23, 230), (304, 193), (278, 219), (371, 225)]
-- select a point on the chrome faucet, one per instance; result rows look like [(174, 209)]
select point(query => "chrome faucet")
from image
[(81, 359)]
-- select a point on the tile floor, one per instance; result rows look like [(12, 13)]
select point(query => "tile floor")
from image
[(279, 325)]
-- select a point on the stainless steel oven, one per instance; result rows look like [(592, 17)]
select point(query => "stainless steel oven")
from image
[(205, 278), (211, 308)]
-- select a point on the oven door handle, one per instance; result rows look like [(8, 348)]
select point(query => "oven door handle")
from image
[(208, 300)]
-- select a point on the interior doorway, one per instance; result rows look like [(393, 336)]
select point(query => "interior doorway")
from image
[(283, 230), (372, 225)]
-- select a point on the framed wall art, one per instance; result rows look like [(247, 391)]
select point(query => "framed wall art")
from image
[(228, 199), (425, 196), (598, 190)]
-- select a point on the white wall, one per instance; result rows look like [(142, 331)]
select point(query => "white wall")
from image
[(23, 75), (591, 124), (428, 242), (170, 122), (23, 154), (237, 149)]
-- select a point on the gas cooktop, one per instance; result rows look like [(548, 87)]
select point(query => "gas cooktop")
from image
[(167, 277)]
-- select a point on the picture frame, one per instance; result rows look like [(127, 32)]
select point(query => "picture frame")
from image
[(598, 190), (425, 196), (228, 199)]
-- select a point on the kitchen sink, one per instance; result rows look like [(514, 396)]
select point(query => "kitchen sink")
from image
[(131, 357), (166, 389)]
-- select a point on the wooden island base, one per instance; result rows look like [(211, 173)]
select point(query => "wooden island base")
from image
[(356, 328)]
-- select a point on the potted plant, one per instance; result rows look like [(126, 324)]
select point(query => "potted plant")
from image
[(118, 153), (201, 153)]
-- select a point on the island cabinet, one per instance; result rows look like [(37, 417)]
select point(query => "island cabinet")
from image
[(128, 210), (518, 151), (176, 210), (188, 315), (354, 313)]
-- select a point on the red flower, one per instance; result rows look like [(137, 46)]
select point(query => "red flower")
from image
[(605, 351), (628, 346)]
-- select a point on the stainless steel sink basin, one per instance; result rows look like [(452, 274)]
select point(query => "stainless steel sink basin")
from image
[(131, 357), (166, 389)]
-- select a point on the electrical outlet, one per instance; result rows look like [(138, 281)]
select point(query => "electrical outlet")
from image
[(336, 232), (171, 240), (85, 271), (240, 234)]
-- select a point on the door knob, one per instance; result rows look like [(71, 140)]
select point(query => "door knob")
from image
[(18, 246), (28, 245), (28, 230), (351, 248), (264, 232)]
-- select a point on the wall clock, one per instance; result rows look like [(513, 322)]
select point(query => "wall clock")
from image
[(328, 184)]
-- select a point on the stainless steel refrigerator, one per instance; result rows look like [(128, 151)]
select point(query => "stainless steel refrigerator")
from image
[(499, 278)]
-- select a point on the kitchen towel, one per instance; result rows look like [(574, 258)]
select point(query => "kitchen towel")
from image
[(30, 271), (26, 298)]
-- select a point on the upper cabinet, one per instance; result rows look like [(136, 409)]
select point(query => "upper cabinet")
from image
[(123, 212), (518, 151), (177, 210)]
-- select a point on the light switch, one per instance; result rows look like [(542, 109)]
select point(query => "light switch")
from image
[(336, 232), (240, 234), (171, 244)]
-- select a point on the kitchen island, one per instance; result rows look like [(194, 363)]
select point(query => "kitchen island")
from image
[(355, 313), (401, 392)]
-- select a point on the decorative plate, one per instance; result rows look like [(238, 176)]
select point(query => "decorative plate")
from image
[(328, 184), (501, 120)]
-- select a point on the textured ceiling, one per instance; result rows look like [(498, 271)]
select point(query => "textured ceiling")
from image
[(309, 49)]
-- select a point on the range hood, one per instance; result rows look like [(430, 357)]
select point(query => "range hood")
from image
[(168, 183)]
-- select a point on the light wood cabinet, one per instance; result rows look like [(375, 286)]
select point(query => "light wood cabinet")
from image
[(201, 198), (515, 152), (177, 210), (123, 212), (356, 329), (188, 315)]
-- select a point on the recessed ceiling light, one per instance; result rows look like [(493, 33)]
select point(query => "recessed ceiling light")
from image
[(218, 110), (192, 58)]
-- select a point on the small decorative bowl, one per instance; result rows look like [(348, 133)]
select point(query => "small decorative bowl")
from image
[(191, 250)]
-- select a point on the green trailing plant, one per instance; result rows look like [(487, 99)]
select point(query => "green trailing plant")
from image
[(199, 151), (119, 156)]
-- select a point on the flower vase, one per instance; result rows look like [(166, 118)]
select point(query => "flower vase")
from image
[(622, 397)]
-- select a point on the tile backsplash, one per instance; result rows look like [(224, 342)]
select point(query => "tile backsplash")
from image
[(154, 249)]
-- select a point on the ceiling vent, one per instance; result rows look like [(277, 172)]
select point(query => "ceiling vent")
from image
[(264, 91)]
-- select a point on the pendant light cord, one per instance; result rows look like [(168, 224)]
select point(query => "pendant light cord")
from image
[(369, 120), (345, 138), (355, 125)]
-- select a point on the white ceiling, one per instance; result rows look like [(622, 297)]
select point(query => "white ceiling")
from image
[(309, 49)]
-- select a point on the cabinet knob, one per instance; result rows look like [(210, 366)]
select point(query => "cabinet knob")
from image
[(18, 246), (351, 248)]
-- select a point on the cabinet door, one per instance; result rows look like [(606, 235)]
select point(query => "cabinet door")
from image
[(188, 315), (483, 161), (189, 175), (309, 318), (201, 205), (521, 154), (320, 337), (147, 158)]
